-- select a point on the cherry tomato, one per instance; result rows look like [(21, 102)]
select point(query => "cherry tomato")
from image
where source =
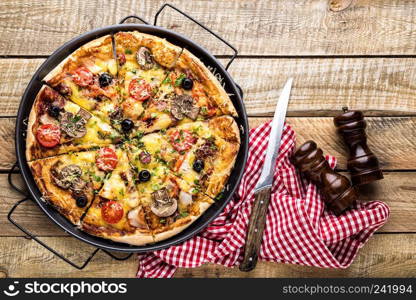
[(112, 212), (182, 140), (83, 77), (107, 159), (48, 135), (140, 89)]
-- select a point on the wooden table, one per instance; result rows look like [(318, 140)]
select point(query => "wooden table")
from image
[(363, 56)]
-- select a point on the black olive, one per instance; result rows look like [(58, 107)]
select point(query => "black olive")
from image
[(127, 125), (144, 176), (81, 201), (105, 79), (187, 83), (53, 111), (198, 165)]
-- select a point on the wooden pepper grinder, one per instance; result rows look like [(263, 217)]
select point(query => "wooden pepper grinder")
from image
[(362, 163), (336, 189)]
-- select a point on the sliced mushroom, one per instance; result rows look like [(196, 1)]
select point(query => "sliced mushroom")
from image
[(144, 58), (163, 205), (69, 178), (60, 183), (137, 218), (176, 111), (73, 125), (184, 105), (193, 112)]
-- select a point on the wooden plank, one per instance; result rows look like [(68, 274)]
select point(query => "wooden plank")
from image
[(255, 28), (397, 190), (383, 256), (14, 78), (322, 86), (391, 139), (378, 86)]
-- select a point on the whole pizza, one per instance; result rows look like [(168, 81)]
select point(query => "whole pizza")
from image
[(131, 138)]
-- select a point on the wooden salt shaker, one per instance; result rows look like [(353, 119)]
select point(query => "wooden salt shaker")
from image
[(336, 189), (362, 163)]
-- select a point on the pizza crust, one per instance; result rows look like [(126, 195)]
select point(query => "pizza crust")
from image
[(72, 61), (30, 136), (180, 226), (214, 88), (163, 52), (137, 238)]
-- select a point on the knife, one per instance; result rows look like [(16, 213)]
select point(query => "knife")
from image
[(262, 191)]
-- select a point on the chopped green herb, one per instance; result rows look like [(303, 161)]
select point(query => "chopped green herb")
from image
[(128, 51), (220, 196), (139, 134), (178, 80), (167, 80), (96, 178), (183, 214)]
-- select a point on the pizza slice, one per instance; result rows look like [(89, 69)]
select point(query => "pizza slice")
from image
[(89, 78), (57, 125), (169, 203), (206, 162), (69, 182), (190, 92), (144, 61), (116, 212)]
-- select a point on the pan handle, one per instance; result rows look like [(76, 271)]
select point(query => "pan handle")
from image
[(132, 17), (201, 25), (32, 236)]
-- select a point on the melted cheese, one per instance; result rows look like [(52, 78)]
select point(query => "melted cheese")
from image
[(78, 98), (94, 126)]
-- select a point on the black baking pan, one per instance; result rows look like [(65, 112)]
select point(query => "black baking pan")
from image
[(177, 39)]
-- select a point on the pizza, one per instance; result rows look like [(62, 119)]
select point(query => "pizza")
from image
[(132, 138)]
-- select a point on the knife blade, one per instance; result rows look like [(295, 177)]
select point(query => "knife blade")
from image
[(262, 191), (266, 176)]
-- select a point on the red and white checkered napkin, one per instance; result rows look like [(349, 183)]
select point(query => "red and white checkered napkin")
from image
[(299, 229)]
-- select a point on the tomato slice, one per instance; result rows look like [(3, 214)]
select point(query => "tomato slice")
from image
[(140, 90), (112, 212), (48, 135), (83, 77), (107, 159), (182, 140)]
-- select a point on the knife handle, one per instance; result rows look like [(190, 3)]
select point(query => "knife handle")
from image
[(255, 229)]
